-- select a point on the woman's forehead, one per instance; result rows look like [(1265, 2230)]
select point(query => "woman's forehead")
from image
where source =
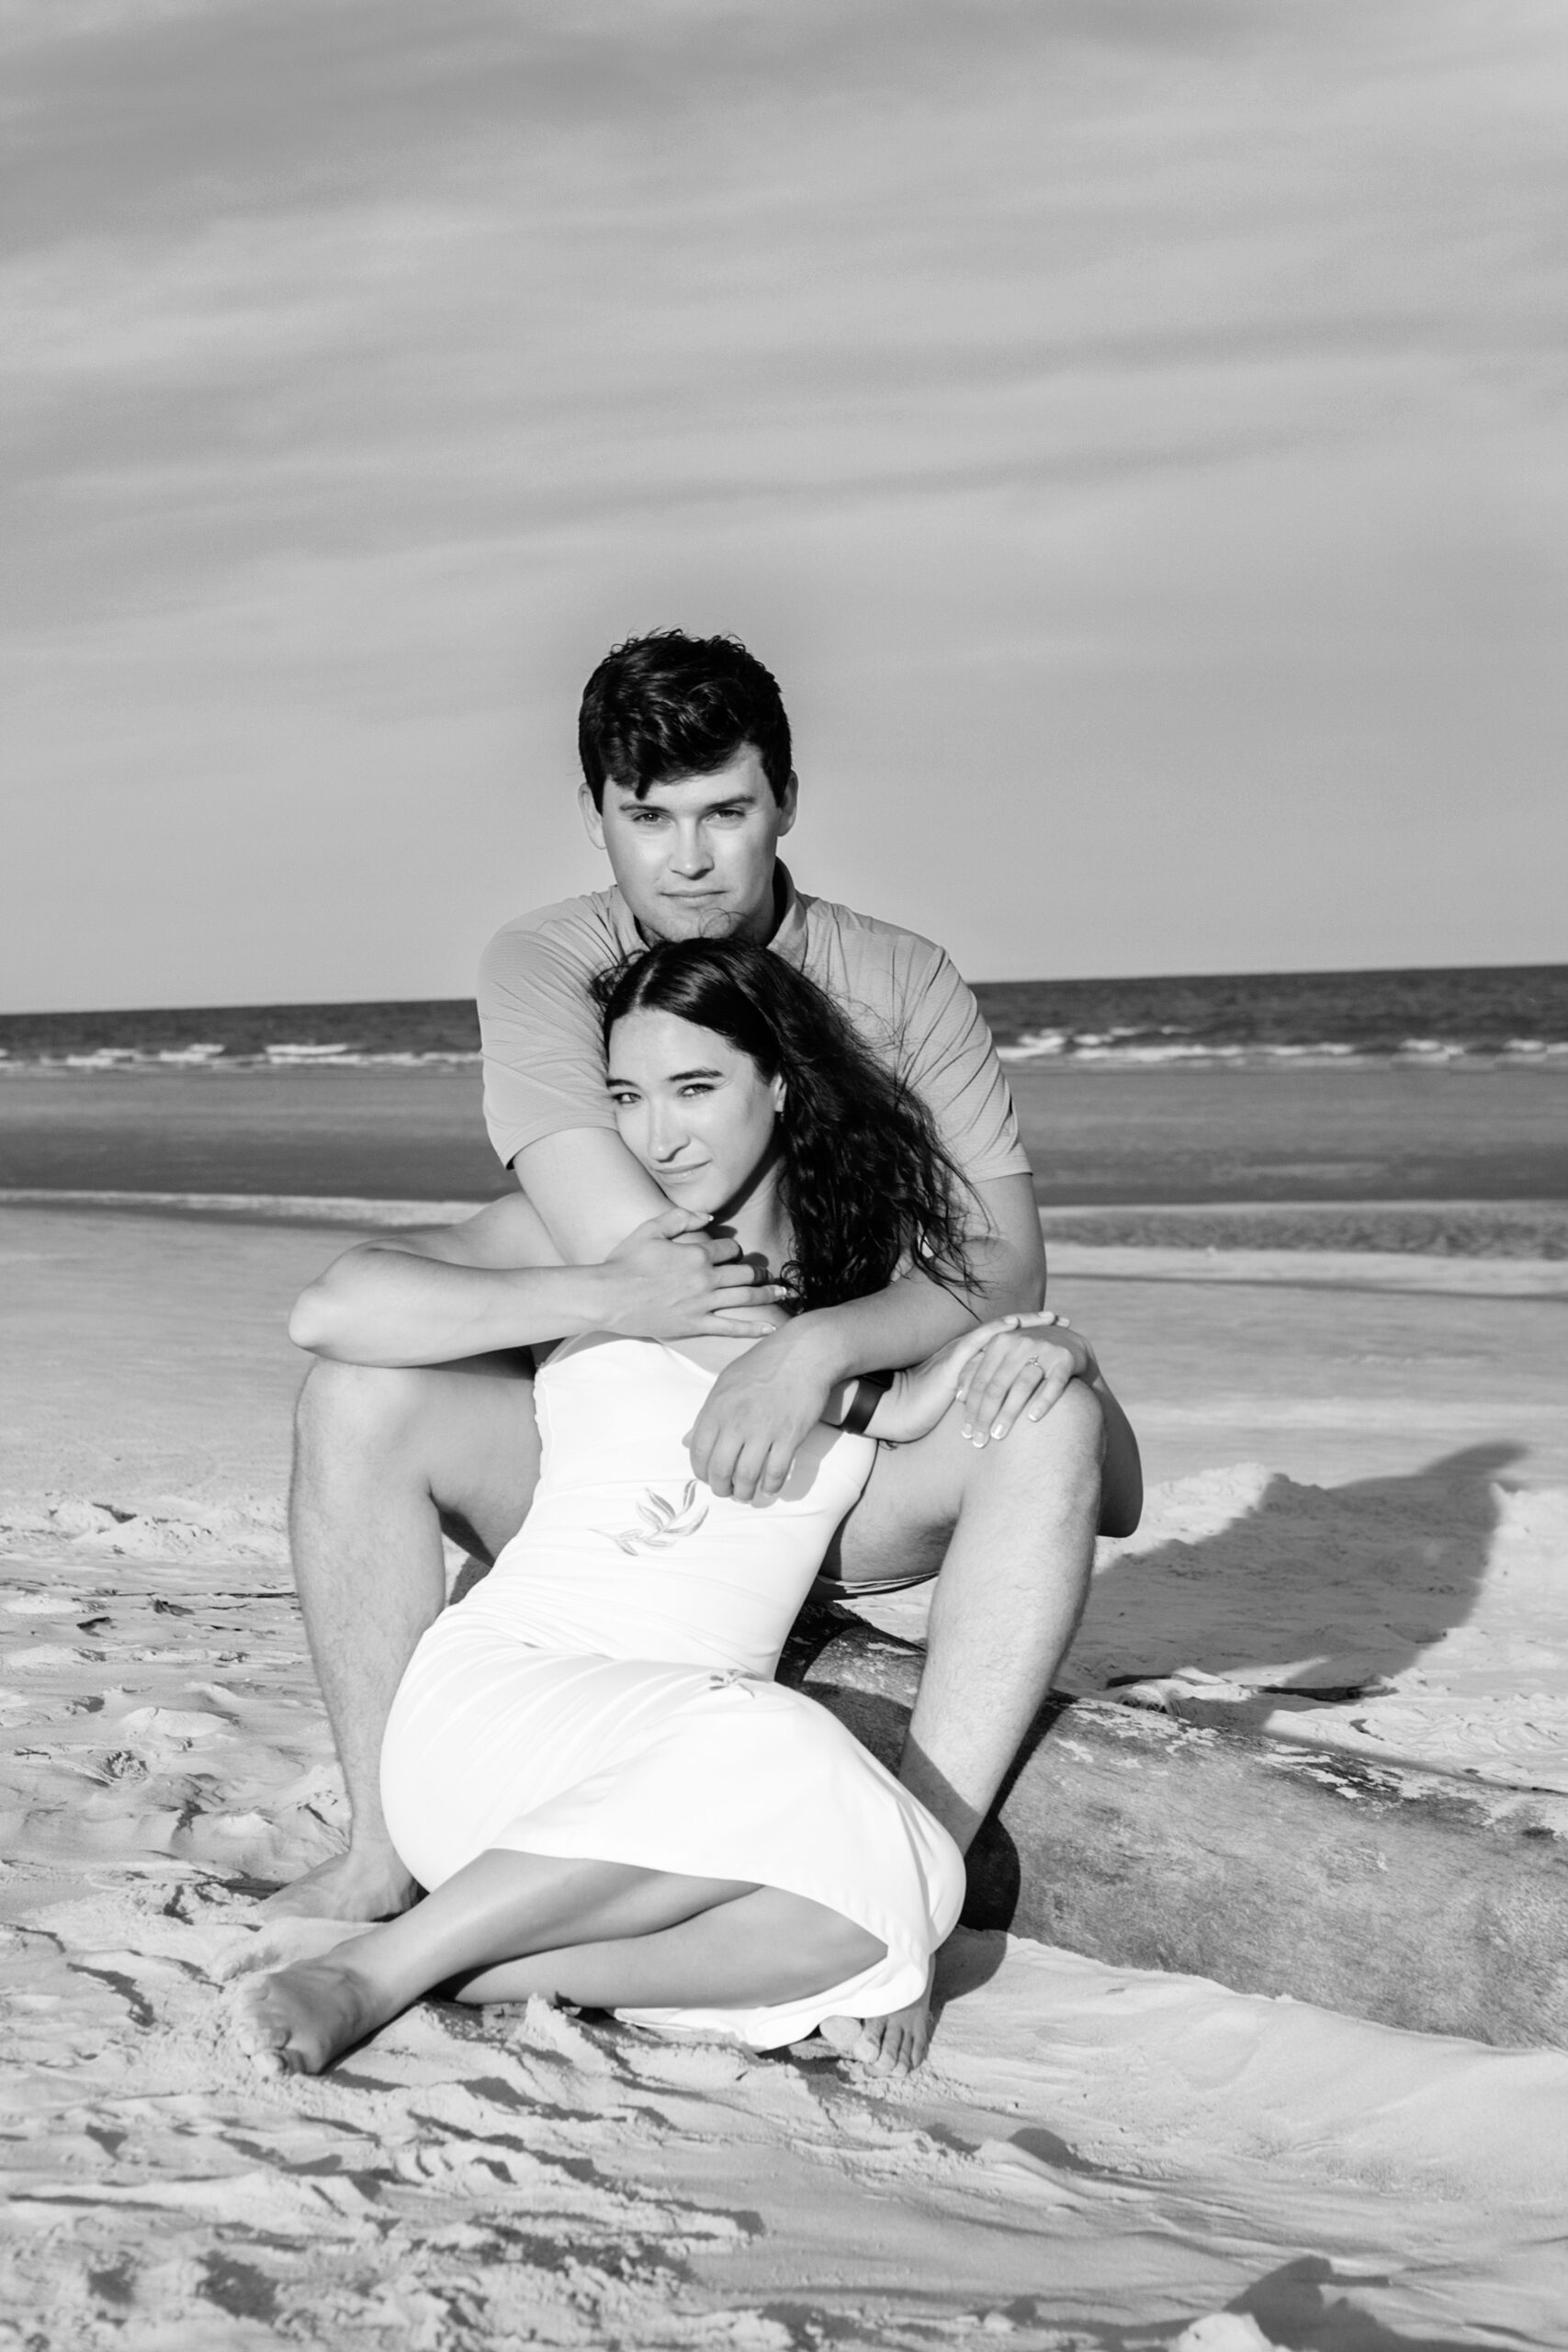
[(648, 1045)]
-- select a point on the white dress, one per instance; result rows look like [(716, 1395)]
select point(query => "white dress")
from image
[(607, 1692)]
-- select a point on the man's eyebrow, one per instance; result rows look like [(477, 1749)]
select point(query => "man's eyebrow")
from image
[(743, 796)]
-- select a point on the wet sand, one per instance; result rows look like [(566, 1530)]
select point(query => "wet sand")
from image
[(1093, 1135)]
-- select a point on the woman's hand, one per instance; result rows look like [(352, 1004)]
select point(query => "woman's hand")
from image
[(1019, 1364)]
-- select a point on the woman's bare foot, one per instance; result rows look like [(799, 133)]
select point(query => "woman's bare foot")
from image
[(894, 2044), (297, 2021), (365, 1883)]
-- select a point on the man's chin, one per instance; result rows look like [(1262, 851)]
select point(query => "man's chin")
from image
[(694, 922)]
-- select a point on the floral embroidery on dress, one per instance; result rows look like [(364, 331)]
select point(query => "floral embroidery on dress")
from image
[(664, 1522)]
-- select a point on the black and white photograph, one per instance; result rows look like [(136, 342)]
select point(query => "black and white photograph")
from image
[(783, 1176)]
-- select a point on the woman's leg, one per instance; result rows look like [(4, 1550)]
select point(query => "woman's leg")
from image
[(763, 1946), (504, 1908)]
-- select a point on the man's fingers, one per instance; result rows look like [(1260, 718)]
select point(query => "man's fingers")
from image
[(700, 1445), (775, 1473), (746, 1476), (673, 1223), (719, 1249)]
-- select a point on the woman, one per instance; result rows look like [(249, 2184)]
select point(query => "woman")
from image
[(588, 1763)]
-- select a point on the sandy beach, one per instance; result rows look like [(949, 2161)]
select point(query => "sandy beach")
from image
[(1355, 1483)]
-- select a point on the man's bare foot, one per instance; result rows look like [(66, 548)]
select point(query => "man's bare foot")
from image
[(298, 2020), (365, 1883), (894, 2044)]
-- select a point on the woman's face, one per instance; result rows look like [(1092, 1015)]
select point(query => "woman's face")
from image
[(695, 1110)]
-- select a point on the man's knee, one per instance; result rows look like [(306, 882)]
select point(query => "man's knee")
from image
[(1062, 1455), (365, 1408)]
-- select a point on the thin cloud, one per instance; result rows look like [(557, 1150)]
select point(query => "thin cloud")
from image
[(320, 312)]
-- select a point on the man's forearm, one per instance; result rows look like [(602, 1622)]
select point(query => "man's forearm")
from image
[(380, 1305), (901, 1324), (914, 1316)]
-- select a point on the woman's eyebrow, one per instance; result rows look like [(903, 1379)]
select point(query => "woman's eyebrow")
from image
[(672, 1077)]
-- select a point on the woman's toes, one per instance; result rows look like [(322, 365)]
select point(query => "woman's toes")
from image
[(260, 2035)]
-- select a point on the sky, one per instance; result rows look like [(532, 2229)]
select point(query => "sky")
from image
[(1132, 431)]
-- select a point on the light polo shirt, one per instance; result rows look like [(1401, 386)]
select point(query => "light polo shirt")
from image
[(544, 1063)]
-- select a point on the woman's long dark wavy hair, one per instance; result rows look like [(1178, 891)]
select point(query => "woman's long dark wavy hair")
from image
[(863, 1179)]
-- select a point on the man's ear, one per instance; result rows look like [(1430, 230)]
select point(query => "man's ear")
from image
[(789, 802), (592, 817)]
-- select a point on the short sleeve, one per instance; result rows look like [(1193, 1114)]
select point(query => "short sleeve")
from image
[(949, 1059), (544, 1066)]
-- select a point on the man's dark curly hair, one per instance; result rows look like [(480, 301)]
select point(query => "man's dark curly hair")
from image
[(670, 705), (863, 1179)]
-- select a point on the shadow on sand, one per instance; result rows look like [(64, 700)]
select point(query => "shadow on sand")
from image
[(1314, 1595)]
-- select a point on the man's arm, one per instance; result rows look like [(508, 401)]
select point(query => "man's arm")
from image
[(587, 1190), (496, 1280), (746, 1436)]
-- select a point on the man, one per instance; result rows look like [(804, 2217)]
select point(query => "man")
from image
[(419, 1416)]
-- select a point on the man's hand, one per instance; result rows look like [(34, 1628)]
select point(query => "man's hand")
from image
[(758, 1411), (674, 1281)]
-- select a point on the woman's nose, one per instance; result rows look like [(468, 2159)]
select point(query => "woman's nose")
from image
[(667, 1131)]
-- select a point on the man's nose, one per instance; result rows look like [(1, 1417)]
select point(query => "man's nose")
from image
[(691, 853)]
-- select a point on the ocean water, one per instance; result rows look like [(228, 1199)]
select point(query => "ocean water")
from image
[(1514, 1014)]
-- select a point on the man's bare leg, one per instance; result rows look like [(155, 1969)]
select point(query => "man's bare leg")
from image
[(1013, 1527), (604, 1934), (382, 1460)]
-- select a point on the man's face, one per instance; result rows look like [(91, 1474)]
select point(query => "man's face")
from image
[(694, 857)]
